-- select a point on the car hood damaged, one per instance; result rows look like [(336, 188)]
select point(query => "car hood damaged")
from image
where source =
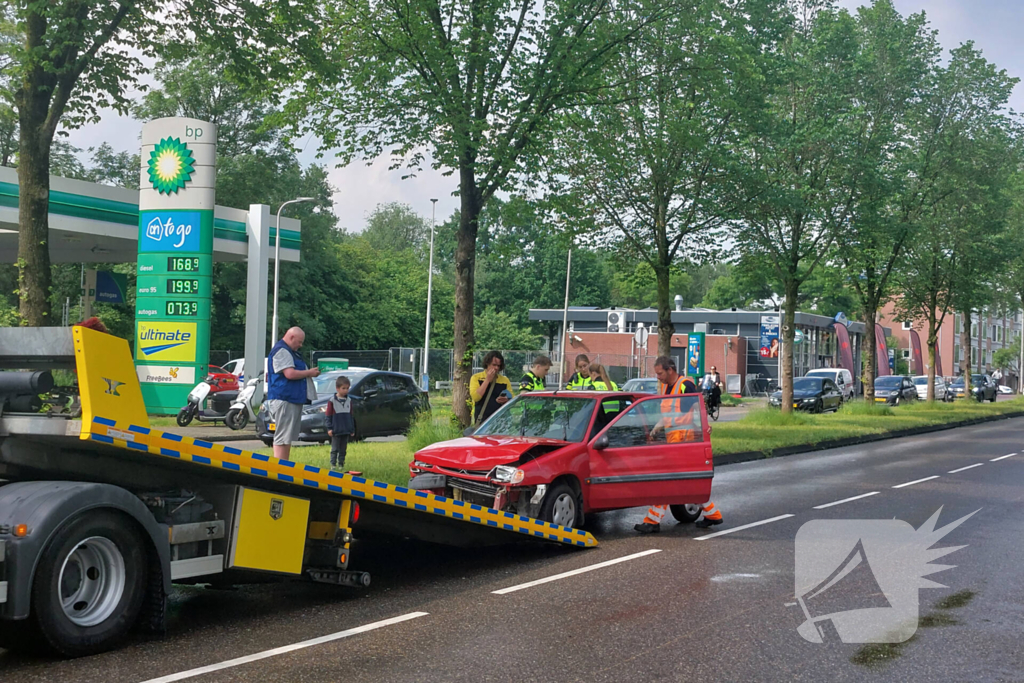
[(484, 452)]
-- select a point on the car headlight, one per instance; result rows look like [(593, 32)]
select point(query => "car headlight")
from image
[(310, 410), (417, 463), (507, 474), (809, 400)]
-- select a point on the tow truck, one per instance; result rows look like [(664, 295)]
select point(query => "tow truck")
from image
[(100, 514)]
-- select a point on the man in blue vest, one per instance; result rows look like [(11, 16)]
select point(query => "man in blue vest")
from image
[(286, 390)]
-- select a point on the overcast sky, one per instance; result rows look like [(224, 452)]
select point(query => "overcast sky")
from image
[(994, 25)]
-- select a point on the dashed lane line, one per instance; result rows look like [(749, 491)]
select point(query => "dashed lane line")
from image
[(741, 528), (574, 572), (285, 649), (1003, 457), (846, 500), (969, 467), (916, 481)]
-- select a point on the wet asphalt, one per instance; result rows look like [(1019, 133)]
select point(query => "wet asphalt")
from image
[(715, 609)]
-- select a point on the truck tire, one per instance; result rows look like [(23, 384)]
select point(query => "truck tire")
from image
[(686, 514), (90, 584), (562, 506)]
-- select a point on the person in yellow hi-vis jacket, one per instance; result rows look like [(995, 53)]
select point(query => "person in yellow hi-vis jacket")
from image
[(670, 382)]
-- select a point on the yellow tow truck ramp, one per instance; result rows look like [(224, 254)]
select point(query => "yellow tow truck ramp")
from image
[(201, 512)]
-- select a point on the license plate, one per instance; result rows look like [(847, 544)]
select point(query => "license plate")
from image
[(881, 400), (796, 405), (271, 426)]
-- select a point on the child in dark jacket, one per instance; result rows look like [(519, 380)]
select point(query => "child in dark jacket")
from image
[(340, 423)]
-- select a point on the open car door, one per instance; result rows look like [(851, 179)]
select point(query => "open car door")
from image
[(657, 452)]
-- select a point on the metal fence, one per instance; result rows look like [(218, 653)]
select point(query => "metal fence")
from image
[(441, 365)]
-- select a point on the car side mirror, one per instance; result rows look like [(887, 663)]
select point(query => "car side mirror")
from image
[(600, 443), (468, 431)]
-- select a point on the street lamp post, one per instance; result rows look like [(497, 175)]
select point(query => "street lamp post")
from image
[(430, 289), (277, 259)]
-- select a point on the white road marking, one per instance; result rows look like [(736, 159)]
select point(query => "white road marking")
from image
[(845, 500), (285, 649), (969, 467), (574, 572), (1003, 457), (741, 528), (916, 481)]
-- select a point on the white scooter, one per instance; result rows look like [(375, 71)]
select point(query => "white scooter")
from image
[(245, 406)]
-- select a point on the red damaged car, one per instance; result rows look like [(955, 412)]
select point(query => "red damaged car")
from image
[(557, 456)]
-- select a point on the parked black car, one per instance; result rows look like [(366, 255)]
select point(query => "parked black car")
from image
[(383, 404), (894, 390), (813, 394), (983, 388)]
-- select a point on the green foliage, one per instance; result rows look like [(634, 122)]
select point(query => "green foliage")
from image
[(1008, 358), (431, 427), (865, 409), (499, 330), (772, 417), (395, 226)]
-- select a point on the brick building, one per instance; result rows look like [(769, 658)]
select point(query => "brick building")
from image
[(731, 342), (990, 331)]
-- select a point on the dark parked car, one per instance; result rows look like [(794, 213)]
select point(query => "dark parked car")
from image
[(982, 388), (813, 394), (894, 390), (383, 403), (641, 385)]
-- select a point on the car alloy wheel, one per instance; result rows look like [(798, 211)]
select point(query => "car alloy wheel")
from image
[(563, 512)]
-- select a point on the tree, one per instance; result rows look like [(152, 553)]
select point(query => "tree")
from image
[(396, 226), (1008, 357), (649, 156), (499, 330), (71, 59), (801, 180), (895, 58), (120, 169), (962, 145), (474, 84)]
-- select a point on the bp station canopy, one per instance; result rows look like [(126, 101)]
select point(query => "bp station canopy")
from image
[(174, 232), (93, 223)]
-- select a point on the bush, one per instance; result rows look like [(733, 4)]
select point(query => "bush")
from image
[(431, 427), (865, 409)]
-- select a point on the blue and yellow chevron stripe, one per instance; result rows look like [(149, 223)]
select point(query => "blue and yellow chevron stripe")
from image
[(168, 445)]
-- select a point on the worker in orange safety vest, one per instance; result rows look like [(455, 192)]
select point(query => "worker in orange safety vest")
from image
[(670, 382)]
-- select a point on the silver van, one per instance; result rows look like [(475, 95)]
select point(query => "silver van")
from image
[(841, 376)]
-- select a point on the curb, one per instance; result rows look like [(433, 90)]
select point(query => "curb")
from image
[(750, 456)]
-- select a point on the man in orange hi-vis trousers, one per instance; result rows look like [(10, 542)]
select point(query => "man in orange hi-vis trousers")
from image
[(671, 382)]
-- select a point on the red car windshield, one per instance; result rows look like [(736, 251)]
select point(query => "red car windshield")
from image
[(549, 417)]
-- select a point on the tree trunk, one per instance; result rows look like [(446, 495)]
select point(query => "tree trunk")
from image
[(871, 361), (966, 346), (33, 220), (933, 343), (665, 326), (788, 333), (465, 266)]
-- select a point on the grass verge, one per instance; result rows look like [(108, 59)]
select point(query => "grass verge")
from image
[(766, 430), (386, 461)]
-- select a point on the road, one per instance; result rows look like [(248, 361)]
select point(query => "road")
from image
[(682, 604)]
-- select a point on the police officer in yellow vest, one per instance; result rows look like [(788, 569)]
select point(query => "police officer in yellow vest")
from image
[(599, 379), (580, 380), (534, 379)]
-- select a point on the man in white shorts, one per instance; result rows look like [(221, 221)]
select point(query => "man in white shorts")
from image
[(286, 390)]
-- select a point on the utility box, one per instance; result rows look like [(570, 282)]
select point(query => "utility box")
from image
[(331, 364)]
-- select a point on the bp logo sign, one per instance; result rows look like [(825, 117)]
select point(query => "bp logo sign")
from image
[(171, 165)]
